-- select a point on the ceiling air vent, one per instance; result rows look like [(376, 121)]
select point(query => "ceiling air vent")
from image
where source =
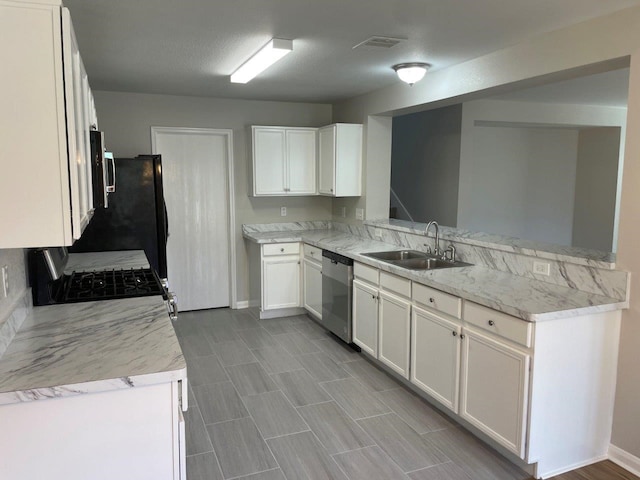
[(382, 42)]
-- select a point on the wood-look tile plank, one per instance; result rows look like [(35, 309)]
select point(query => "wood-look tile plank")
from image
[(194, 346), (222, 334), (369, 463), (300, 388), (445, 471), (417, 413), (333, 427), (268, 475), (370, 376), (276, 359), (197, 438), (321, 367), (250, 379), (243, 321), (301, 456), (606, 470), (257, 338), (296, 344), (203, 467), (219, 402), (240, 448), (477, 459), (205, 370), (402, 443), (278, 326), (274, 415), (312, 331), (355, 399), (234, 353), (337, 350)]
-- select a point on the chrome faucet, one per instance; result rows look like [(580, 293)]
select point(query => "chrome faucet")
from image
[(436, 250)]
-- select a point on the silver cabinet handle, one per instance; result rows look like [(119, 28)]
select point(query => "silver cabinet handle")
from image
[(112, 188), (282, 249), (432, 300), (454, 333), (462, 336), (491, 323)]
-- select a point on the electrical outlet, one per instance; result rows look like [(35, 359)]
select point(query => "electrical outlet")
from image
[(283, 211), (4, 282), (542, 268), (343, 212), (359, 213)]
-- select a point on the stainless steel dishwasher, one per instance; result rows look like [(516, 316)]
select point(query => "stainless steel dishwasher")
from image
[(337, 283)]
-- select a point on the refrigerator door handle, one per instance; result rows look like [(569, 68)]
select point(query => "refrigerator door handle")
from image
[(109, 156)]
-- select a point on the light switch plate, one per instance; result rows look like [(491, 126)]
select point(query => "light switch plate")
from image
[(4, 282), (542, 268), (359, 213)]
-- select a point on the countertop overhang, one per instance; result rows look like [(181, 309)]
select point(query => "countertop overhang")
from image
[(528, 299)]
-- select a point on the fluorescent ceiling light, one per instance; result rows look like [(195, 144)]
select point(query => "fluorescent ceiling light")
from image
[(411, 72), (267, 56)]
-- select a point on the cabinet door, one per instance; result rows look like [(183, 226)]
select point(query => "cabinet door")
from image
[(301, 162), (394, 317), (435, 356), (365, 317), (494, 389), (269, 161), (327, 159), (313, 287), (280, 282)]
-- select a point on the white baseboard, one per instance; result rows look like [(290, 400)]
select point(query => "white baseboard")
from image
[(569, 468), (624, 459), (243, 304)]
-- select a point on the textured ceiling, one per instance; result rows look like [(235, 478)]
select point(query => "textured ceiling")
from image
[(190, 47)]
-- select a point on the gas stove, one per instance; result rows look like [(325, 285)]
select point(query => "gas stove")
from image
[(107, 285)]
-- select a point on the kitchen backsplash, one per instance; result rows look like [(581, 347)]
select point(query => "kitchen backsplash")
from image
[(593, 275), (15, 307)]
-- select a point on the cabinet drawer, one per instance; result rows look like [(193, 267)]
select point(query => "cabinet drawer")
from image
[(393, 283), (311, 252), (437, 300), (499, 323), (281, 249), (365, 272)]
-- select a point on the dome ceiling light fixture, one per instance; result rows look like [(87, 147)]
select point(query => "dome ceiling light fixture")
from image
[(411, 72)]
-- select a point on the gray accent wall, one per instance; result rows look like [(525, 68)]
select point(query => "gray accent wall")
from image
[(425, 164)]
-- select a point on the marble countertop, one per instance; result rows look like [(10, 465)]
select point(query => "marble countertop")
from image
[(529, 299), (98, 261), (70, 349)]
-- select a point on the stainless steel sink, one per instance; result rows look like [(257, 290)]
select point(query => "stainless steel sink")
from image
[(396, 255), (414, 260)]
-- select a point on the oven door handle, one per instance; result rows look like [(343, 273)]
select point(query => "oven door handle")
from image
[(173, 305)]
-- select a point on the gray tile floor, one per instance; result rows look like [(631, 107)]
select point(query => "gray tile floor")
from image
[(283, 399)]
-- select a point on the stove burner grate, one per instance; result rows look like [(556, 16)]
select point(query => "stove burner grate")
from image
[(110, 284)]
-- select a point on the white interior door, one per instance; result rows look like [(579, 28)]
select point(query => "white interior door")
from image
[(195, 164)]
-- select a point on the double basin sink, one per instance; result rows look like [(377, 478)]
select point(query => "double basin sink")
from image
[(414, 260)]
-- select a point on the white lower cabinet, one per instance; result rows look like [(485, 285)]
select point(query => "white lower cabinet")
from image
[(394, 330), (495, 386), (132, 433), (313, 287), (365, 317), (435, 356), (280, 277)]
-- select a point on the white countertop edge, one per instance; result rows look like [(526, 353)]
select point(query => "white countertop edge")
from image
[(95, 386)]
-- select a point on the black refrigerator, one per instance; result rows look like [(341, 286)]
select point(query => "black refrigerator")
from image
[(136, 218)]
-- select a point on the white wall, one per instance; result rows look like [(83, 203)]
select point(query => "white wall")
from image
[(15, 260), (126, 119), (590, 47), (518, 182)]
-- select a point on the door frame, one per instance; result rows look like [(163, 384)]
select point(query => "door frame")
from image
[(229, 164)]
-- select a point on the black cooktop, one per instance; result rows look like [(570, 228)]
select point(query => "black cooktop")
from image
[(108, 285)]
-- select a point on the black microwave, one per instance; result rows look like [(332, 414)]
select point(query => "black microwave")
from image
[(102, 169)]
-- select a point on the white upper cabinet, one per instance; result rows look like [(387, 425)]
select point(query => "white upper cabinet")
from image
[(44, 128), (284, 161), (340, 160)]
